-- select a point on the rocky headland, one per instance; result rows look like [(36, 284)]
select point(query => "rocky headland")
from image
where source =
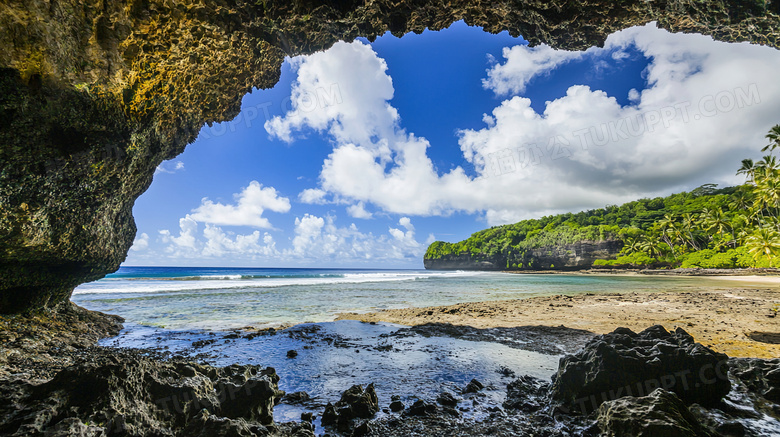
[(562, 257)]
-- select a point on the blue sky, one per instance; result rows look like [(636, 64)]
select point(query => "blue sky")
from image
[(363, 154)]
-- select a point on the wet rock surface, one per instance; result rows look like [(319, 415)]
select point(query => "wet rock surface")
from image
[(355, 404), (37, 346), (624, 363), (169, 392), (525, 393), (128, 394), (543, 339), (659, 414)]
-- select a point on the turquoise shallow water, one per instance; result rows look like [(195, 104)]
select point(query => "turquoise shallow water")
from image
[(223, 298)]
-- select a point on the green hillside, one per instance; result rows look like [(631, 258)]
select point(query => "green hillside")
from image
[(707, 227)]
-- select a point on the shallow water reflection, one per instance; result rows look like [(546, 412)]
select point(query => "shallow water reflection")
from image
[(333, 356)]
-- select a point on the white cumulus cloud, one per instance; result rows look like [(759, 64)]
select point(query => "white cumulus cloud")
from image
[(250, 204), (522, 64), (706, 106), (187, 238), (321, 239), (141, 242), (215, 242), (219, 243), (359, 211), (312, 196)]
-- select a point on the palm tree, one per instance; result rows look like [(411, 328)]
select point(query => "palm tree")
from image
[(652, 246), (689, 222), (764, 242), (741, 227), (766, 167), (768, 190), (741, 237), (714, 219), (748, 169), (768, 198), (669, 229), (633, 244), (774, 139), (741, 200)]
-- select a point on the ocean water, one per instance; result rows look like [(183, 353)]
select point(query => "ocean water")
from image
[(223, 298)]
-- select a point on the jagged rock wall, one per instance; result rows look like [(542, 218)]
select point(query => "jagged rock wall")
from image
[(465, 261), (95, 94), (575, 256)]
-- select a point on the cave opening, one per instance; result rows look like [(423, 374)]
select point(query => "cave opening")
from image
[(136, 82), (519, 132), (274, 244), (436, 87)]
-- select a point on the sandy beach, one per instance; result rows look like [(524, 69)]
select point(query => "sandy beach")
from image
[(742, 321)]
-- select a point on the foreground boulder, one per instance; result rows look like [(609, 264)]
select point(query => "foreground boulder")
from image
[(355, 404), (624, 363), (659, 414), (135, 395)]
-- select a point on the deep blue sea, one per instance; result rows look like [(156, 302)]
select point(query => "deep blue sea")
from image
[(225, 298)]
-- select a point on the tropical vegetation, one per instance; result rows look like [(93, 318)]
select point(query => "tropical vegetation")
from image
[(707, 227)]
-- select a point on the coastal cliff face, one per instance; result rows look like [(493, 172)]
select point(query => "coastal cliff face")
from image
[(575, 256), (464, 261), (95, 94)]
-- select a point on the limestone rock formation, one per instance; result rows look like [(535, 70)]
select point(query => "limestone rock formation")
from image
[(576, 256), (355, 404), (624, 363), (659, 414), (95, 94), (37, 346), (134, 395)]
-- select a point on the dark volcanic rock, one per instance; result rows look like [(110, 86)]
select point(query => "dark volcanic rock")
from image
[(297, 397), (355, 403), (94, 95), (447, 399), (421, 408), (659, 414), (465, 261), (623, 363), (757, 384), (397, 406), (526, 394), (552, 340), (473, 386), (132, 395)]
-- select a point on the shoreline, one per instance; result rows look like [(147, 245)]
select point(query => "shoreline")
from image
[(510, 355), (713, 273), (738, 321)]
